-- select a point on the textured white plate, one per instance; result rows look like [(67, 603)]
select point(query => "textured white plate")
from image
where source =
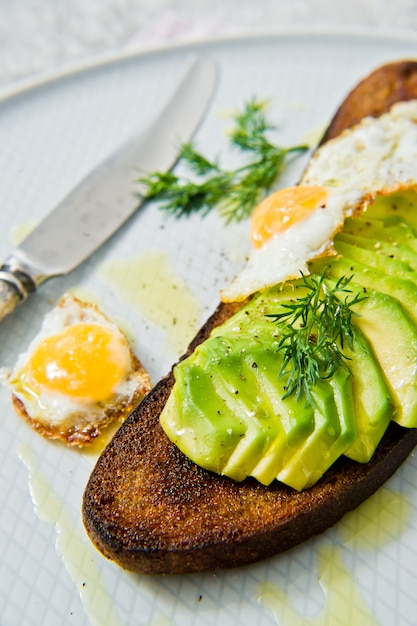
[(364, 571)]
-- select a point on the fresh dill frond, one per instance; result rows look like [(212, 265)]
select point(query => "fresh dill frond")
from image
[(236, 192), (314, 329), (251, 126)]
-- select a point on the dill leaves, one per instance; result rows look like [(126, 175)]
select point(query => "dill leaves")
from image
[(314, 329), (236, 192)]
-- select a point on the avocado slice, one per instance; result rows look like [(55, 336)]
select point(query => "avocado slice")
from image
[(397, 252), (245, 375), (198, 421), (373, 258), (371, 398), (367, 277), (253, 321), (297, 418), (334, 432), (399, 233), (237, 386), (267, 428), (395, 350), (395, 207)]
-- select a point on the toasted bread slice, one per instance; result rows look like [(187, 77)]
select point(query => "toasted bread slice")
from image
[(151, 510)]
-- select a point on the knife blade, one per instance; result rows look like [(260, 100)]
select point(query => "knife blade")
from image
[(108, 196)]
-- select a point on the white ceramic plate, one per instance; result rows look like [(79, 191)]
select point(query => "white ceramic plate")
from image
[(364, 571)]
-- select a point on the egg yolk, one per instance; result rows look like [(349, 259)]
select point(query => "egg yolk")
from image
[(283, 209), (84, 361)]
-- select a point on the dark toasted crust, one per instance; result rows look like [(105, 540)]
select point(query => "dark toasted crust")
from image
[(150, 509), (374, 95)]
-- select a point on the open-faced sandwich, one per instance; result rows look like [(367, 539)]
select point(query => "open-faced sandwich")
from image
[(298, 398)]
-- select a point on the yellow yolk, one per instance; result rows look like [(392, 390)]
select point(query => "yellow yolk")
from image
[(84, 361), (282, 209)]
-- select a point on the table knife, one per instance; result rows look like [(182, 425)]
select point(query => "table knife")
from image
[(108, 196)]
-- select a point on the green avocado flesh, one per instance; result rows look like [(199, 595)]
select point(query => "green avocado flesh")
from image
[(229, 411)]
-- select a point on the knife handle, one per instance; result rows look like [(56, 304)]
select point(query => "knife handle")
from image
[(14, 289)]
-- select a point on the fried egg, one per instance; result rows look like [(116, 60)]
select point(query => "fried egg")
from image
[(77, 375), (292, 226)]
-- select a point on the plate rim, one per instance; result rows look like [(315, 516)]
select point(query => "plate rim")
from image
[(93, 62)]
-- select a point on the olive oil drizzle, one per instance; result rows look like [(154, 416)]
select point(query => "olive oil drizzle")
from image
[(343, 600), (381, 519), (77, 553)]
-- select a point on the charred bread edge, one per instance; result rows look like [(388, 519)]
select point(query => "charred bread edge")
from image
[(375, 95), (343, 487)]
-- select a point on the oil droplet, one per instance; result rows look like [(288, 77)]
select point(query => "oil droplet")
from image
[(380, 519), (313, 136), (296, 106), (84, 295), (161, 620), (19, 232), (278, 601), (76, 552), (343, 602), (149, 284), (343, 595)]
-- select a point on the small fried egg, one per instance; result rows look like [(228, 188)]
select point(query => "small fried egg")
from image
[(77, 375), (292, 226)]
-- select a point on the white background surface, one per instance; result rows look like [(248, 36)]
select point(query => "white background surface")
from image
[(41, 157), (40, 35)]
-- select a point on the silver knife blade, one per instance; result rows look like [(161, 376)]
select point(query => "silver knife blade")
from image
[(108, 196)]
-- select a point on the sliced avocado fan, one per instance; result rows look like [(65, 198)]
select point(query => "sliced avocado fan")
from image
[(230, 411)]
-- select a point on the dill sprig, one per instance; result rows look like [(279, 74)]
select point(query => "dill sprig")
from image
[(235, 192), (313, 332)]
